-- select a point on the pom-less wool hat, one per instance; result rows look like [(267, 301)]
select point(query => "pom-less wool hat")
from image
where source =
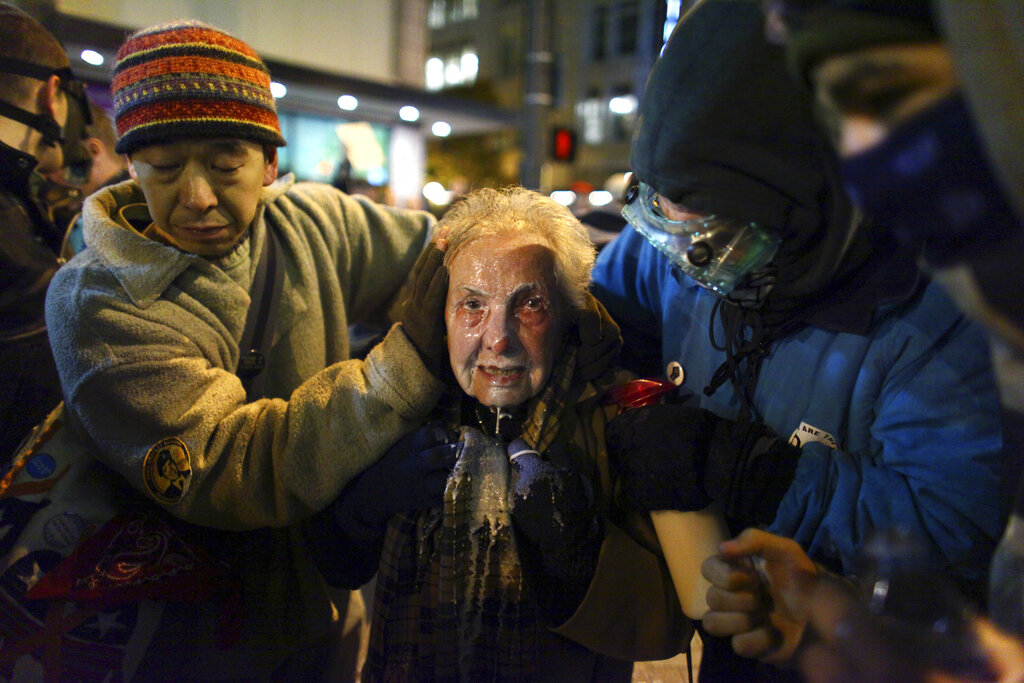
[(190, 80), (819, 29)]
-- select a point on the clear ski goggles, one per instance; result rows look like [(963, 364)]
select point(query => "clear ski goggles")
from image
[(716, 252)]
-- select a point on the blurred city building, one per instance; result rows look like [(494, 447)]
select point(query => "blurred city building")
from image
[(574, 68), (418, 101), (348, 76)]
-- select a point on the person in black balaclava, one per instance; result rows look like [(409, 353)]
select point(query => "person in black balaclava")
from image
[(827, 389), (925, 100), (39, 103)]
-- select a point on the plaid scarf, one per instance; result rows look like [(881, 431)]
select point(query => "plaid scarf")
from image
[(451, 603)]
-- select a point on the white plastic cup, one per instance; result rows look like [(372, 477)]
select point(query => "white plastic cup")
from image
[(687, 539)]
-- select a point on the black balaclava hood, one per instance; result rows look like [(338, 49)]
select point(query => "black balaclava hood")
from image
[(724, 129)]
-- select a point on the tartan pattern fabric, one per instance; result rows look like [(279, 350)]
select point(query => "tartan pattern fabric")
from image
[(450, 602), (190, 80)]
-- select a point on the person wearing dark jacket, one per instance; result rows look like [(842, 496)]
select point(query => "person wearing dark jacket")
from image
[(828, 390), (924, 97), (35, 102)]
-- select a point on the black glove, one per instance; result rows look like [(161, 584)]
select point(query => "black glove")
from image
[(556, 532), (345, 538), (411, 476), (422, 312), (658, 454), (673, 457), (600, 340), (749, 469)]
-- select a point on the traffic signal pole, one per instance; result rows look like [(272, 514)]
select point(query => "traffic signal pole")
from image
[(537, 99)]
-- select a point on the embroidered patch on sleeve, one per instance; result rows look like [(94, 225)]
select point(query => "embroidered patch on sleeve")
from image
[(167, 470)]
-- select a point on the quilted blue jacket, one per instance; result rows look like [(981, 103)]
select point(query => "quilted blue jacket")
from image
[(898, 427)]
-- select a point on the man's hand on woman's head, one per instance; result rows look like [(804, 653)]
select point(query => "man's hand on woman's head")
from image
[(441, 238), (422, 311)]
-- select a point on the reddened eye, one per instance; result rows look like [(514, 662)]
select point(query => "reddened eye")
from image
[(470, 310), (532, 310)]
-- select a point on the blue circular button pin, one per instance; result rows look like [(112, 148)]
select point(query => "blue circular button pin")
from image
[(41, 465)]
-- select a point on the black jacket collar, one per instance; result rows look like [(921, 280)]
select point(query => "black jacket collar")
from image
[(16, 169), (889, 277)]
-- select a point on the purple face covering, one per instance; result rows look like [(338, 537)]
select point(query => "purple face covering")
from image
[(931, 182)]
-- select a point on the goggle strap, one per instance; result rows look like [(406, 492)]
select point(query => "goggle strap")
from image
[(68, 82), (17, 67), (44, 123)]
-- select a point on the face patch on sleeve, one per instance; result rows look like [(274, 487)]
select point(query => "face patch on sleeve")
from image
[(167, 470)]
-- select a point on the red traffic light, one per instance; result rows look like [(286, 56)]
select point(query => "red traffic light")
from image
[(564, 144)]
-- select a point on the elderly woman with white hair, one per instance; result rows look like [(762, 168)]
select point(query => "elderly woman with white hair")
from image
[(520, 570)]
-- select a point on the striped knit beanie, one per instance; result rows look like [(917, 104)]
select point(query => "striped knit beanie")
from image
[(186, 80)]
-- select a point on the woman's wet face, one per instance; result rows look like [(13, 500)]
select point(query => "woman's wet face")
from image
[(505, 318)]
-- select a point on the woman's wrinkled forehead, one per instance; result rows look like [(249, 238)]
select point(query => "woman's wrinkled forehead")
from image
[(503, 263), (501, 229)]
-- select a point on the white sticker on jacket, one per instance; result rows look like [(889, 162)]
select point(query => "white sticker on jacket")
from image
[(805, 433)]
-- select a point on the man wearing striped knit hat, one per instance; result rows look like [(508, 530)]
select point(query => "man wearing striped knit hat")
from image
[(230, 444)]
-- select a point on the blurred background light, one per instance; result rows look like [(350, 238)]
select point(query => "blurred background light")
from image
[(436, 194), (625, 104), (409, 113), (441, 129), (564, 197), (278, 90), (91, 57), (347, 102), (600, 197)]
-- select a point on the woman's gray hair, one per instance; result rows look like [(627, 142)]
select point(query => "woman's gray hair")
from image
[(518, 211)]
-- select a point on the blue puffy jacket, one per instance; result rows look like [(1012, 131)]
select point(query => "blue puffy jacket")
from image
[(899, 427)]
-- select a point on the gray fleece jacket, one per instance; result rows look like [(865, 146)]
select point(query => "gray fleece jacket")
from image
[(146, 339)]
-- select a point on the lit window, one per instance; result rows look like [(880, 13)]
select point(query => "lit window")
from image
[(434, 73), (435, 16), (461, 10), (452, 69), (590, 113), (470, 63), (455, 11), (623, 106)]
